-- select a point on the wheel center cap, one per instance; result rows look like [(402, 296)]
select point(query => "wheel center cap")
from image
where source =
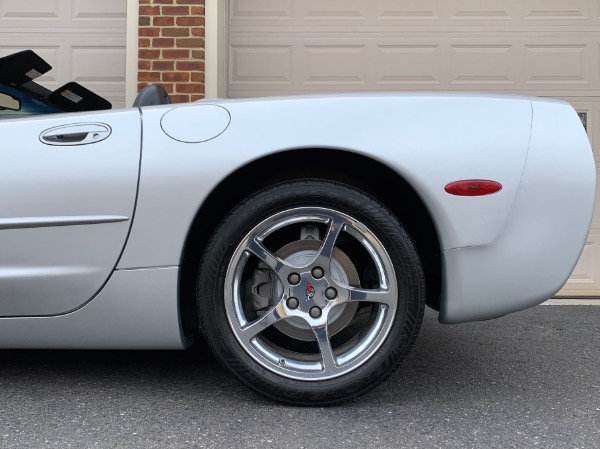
[(310, 292)]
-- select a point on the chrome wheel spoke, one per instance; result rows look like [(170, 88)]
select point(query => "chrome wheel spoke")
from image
[(353, 294), (254, 328), (280, 267), (327, 357), (336, 225)]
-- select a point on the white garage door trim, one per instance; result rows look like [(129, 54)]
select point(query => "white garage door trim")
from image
[(131, 51), (216, 19)]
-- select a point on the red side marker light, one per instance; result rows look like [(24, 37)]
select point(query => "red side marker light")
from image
[(473, 187)]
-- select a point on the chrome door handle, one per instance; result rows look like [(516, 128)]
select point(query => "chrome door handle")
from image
[(78, 134)]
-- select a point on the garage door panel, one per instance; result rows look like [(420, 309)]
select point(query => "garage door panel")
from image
[(407, 65), (268, 65), (476, 10), (85, 11), (556, 66), (561, 64), (561, 10), (38, 16), (14, 11), (98, 64), (337, 65), (479, 64), (83, 41), (415, 13), (268, 10), (332, 10)]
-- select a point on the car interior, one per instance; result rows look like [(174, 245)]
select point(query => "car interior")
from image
[(21, 96)]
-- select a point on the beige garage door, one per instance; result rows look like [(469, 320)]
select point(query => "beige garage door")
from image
[(540, 47), (83, 40)]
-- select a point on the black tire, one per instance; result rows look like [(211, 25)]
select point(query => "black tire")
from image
[(339, 369)]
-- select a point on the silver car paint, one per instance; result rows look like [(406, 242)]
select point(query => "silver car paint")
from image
[(65, 211), (430, 139), (544, 234), (136, 310)]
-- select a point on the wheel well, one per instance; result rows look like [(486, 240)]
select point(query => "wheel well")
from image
[(359, 171)]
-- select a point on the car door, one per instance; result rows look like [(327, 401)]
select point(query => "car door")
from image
[(68, 184)]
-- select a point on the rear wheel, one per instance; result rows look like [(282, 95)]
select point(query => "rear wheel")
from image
[(310, 292)]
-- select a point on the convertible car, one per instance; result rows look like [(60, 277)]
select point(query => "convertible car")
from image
[(301, 236)]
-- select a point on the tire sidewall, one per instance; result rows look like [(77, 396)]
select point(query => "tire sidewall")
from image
[(211, 291)]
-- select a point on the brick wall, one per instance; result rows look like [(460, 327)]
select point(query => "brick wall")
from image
[(171, 47)]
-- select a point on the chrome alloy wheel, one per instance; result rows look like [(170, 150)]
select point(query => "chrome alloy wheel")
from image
[(312, 293)]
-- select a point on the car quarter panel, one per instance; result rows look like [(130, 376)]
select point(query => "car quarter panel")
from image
[(429, 139), (544, 235)]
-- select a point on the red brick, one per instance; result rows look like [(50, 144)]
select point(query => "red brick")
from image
[(149, 76), (197, 10), (189, 21), (149, 54), (199, 32), (180, 98), (163, 42), (140, 86), (175, 10), (190, 2), (197, 77), (196, 97), (178, 32), (167, 87), (143, 65), (198, 54), (163, 65), (175, 76), (192, 42), (163, 2), (148, 31), (189, 88), (149, 10), (175, 54), (163, 21), (143, 21), (191, 66), (143, 42)]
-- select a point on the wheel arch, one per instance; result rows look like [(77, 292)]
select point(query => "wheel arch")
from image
[(365, 173)]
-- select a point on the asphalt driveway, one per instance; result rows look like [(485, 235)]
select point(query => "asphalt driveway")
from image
[(530, 379)]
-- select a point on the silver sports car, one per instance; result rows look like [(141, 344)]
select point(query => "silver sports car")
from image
[(301, 236)]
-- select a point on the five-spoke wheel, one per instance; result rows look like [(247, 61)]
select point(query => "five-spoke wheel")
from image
[(311, 292)]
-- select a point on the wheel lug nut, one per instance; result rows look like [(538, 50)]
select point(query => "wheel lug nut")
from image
[(293, 303), (315, 312), (317, 272), (331, 293), (294, 278)]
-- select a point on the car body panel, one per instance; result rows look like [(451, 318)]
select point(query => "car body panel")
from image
[(65, 209), (430, 140), (500, 252), (137, 309), (545, 232)]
